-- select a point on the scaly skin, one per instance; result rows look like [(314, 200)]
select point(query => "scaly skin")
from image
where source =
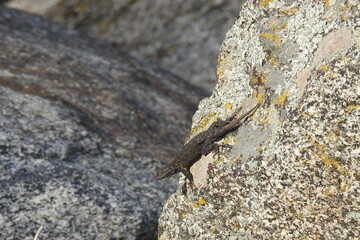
[(201, 144)]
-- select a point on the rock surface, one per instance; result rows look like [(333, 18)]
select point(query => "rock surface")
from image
[(184, 36), (293, 169), (83, 127)]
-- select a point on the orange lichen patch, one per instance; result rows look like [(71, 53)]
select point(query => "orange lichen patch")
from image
[(289, 11), (269, 36), (281, 98), (326, 3), (265, 2)]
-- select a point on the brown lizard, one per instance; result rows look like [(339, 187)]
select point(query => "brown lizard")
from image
[(201, 144)]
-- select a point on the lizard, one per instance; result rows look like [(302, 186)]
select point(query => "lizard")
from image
[(202, 144)]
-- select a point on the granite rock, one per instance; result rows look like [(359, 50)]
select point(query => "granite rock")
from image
[(292, 170), (83, 127)]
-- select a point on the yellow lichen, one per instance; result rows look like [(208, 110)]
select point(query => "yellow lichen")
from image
[(259, 97), (221, 62), (265, 120), (323, 67), (265, 2), (219, 160), (319, 153), (274, 27), (284, 25), (350, 108), (219, 75), (183, 215), (229, 140), (201, 201), (274, 62), (329, 192), (289, 11), (269, 36), (344, 187), (228, 106), (199, 126), (233, 161), (326, 3), (281, 98)]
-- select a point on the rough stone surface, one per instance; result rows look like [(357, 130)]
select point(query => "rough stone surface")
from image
[(184, 36), (83, 127), (293, 169)]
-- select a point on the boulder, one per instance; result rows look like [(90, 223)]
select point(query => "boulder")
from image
[(292, 169), (83, 126), (183, 36)]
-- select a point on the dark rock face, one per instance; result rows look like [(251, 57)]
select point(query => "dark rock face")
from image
[(184, 36), (83, 127)]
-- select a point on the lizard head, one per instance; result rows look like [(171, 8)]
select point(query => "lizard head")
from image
[(165, 172)]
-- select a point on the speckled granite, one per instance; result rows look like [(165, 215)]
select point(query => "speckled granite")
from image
[(83, 127), (292, 171)]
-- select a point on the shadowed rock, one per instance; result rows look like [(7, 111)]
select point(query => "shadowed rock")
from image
[(83, 127)]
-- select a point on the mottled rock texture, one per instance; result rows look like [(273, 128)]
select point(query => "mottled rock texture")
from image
[(293, 169), (184, 36), (83, 127)]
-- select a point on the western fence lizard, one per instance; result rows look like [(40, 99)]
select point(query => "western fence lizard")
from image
[(201, 144)]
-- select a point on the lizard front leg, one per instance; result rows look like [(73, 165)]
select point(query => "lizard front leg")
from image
[(187, 174)]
